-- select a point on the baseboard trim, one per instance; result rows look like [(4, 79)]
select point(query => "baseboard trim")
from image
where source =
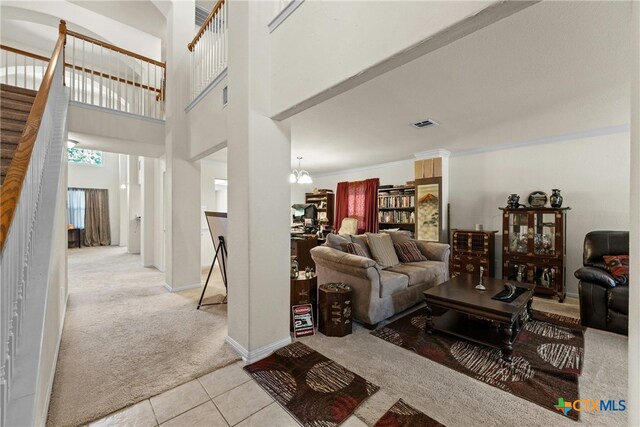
[(181, 288), (259, 353), (53, 375)]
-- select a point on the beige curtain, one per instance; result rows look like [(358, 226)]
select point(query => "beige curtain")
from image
[(97, 230)]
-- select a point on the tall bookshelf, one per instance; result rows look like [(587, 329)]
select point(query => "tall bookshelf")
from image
[(324, 200), (396, 207)]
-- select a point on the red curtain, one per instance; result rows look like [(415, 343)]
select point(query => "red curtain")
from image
[(358, 199), (342, 203), (371, 205)]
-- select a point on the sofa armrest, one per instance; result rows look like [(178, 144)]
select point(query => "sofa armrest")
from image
[(344, 262), (595, 275), (434, 251)]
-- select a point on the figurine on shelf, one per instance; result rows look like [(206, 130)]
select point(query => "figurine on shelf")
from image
[(480, 286), (295, 272), (513, 201)]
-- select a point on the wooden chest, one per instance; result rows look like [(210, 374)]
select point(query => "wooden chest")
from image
[(334, 303), (470, 250)]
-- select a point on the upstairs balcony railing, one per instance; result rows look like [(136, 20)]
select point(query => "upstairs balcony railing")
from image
[(209, 50), (105, 75), (96, 72)]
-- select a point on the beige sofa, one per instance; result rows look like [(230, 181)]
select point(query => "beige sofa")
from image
[(380, 293)]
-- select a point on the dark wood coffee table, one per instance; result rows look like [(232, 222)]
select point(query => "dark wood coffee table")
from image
[(474, 316)]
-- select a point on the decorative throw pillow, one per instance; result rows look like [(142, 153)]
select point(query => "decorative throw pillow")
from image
[(361, 239), (381, 247), (409, 252), (356, 249), (619, 267), (338, 242), (398, 237)]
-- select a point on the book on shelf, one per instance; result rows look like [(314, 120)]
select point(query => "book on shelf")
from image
[(396, 217), (396, 201)]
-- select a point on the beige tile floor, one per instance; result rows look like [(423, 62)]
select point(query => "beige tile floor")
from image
[(223, 398)]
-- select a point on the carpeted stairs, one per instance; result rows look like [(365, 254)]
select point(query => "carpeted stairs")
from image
[(15, 107)]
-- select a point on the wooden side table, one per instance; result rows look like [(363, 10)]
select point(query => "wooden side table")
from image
[(304, 291), (334, 301), (74, 237)]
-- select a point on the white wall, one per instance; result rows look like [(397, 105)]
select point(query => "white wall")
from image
[(210, 201), (105, 177), (102, 129), (592, 174), (208, 123)]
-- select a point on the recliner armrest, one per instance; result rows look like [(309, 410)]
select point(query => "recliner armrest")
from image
[(595, 275)]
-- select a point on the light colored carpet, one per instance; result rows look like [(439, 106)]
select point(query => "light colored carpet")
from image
[(126, 338), (455, 399)]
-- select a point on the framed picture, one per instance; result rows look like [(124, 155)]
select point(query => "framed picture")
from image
[(429, 209)]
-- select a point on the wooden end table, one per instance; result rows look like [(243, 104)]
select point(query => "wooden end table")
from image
[(467, 307)]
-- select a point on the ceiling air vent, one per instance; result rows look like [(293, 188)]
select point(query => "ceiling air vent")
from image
[(424, 124)]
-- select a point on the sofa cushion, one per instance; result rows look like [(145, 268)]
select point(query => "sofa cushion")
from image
[(381, 247), (356, 249), (436, 270), (417, 275), (409, 252), (392, 282), (338, 242), (618, 299), (399, 237), (361, 239)]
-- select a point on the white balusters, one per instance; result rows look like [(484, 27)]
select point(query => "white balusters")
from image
[(209, 51), (104, 76)]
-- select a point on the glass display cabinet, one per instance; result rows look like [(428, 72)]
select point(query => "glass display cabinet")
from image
[(533, 248)]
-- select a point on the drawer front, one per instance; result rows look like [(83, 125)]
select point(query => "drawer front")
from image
[(470, 265)]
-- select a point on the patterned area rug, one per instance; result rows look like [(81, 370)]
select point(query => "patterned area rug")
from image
[(314, 389), (547, 356), (403, 415)]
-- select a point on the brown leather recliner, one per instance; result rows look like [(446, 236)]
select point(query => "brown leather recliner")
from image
[(604, 301)]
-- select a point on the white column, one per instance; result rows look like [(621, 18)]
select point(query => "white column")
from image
[(182, 255), (123, 164), (259, 192), (634, 236), (133, 191), (147, 223)]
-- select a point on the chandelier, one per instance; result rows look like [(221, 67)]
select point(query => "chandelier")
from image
[(299, 175)]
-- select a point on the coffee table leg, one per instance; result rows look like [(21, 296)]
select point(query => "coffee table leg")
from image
[(530, 316), (507, 347), (429, 324)]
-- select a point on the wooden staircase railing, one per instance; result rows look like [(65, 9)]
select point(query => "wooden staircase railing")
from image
[(12, 185)]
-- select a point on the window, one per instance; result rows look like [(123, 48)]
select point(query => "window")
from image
[(75, 207), (83, 156)]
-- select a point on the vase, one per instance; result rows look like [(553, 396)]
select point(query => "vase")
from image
[(555, 198), (513, 201)]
